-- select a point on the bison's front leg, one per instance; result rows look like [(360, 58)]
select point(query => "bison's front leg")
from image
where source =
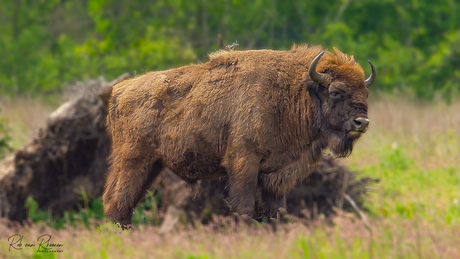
[(269, 204), (242, 172), (284, 180)]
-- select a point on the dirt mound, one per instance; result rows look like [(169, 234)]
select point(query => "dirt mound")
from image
[(69, 156)]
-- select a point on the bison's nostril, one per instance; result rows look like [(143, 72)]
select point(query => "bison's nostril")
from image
[(361, 124)]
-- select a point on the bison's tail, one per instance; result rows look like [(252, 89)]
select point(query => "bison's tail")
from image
[(104, 97), (106, 94)]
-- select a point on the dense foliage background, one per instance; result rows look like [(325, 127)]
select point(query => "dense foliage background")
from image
[(47, 44), (412, 147)]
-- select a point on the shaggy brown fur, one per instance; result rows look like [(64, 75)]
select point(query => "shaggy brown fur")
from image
[(252, 116)]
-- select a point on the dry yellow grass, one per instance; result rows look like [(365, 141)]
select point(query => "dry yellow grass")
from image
[(348, 238), (25, 116), (429, 132)]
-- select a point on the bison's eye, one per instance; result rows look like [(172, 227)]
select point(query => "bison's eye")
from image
[(335, 95)]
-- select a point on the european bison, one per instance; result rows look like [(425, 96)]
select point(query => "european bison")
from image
[(262, 118)]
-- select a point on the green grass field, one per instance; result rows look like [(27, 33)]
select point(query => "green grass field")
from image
[(414, 212)]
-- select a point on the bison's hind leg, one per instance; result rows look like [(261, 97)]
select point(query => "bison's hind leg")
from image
[(129, 177)]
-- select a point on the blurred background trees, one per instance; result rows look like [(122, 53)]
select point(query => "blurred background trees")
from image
[(47, 44)]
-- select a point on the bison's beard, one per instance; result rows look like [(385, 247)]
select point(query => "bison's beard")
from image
[(340, 145)]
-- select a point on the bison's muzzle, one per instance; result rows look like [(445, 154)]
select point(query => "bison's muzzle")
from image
[(361, 124)]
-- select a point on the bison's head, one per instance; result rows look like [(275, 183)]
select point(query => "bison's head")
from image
[(342, 91)]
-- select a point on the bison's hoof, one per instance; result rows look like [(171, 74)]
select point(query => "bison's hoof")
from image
[(244, 219), (126, 226), (281, 213)]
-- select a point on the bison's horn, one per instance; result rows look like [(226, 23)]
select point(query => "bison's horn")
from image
[(371, 78), (315, 76)]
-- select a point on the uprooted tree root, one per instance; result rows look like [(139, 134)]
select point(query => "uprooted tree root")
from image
[(320, 194), (66, 157), (69, 156)]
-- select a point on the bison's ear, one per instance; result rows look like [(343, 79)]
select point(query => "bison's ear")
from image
[(311, 86)]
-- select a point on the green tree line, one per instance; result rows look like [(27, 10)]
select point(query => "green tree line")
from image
[(48, 44)]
